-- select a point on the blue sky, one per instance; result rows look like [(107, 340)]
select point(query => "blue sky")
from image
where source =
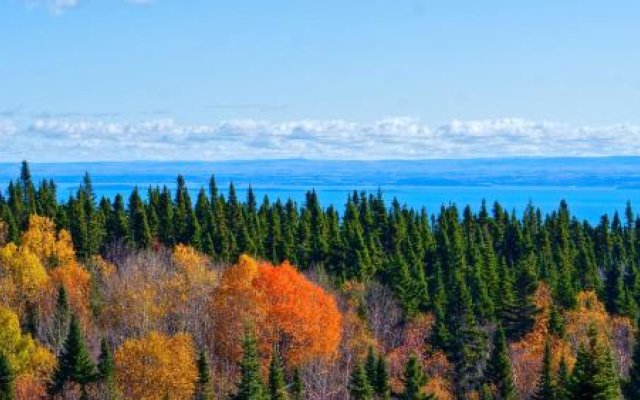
[(208, 79)]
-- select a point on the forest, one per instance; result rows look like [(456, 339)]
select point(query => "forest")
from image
[(161, 296)]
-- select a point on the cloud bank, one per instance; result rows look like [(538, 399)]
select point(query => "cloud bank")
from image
[(78, 139), (59, 6)]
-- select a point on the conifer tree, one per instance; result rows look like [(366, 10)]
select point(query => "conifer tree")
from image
[(7, 389), (297, 386), (563, 382), (61, 319), (107, 371), (277, 383), (359, 387), (251, 386), (371, 366), (546, 388), (204, 390), (74, 362), (414, 380), (594, 376), (499, 368), (381, 387)]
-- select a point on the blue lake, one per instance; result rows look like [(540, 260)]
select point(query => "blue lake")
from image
[(591, 186)]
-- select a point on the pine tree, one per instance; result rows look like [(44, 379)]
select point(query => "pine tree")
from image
[(74, 362), (7, 389), (594, 375), (107, 371), (371, 366), (546, 387), (381, 386), (499, 368), (61, 319), (250, 386), (414, 379), (563, 382), (277, 383), (297, 386), (359, 387), (204, 390)]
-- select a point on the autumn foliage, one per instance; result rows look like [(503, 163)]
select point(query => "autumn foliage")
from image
[(282, 305)]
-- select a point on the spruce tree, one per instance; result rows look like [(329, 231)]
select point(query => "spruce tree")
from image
[(381, 385), (107, 371), (61, 319), (485, 393), (277, 383), (499, 368), (546, 388), (414, 379), (7, 389), (74, 362), (297, 386), (359, 387), (371, 366), (563, 382), (204, 390), (250, 386), (594, 375)]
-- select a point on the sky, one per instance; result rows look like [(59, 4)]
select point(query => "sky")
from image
[(89, 80)]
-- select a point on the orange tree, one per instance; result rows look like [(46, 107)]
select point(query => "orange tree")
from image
[(284, 308)]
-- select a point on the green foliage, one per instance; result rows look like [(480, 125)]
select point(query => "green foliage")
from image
[(499, 368), (297, 386), (74, 361), (359, 387), (546, 386), (7, 390), (594, 375), (277, 383), (204, 390), (251, 386), (414, 380)]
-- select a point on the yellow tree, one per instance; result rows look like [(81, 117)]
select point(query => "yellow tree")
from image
[(53, 249), (157, 367), (22, 276), (30, 362)]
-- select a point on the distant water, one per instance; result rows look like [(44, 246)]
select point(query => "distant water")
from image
[(591, 186)]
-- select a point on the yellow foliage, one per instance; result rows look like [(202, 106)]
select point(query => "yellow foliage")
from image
[(24, 354), (22, 273), (41, 239), (156, 367)]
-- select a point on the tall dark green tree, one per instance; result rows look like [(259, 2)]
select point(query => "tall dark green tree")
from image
[(414, 380), (297, 386), (74, 362), (204, 390), (251, 386), (7, 377), (381, 386), (277, 382), (499, 372), (546, 389), (594, 375), (107, 371), (359, 387)]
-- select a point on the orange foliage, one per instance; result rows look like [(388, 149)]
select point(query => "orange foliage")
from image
[(30, 387), (156, 367), (285, 307), (77, 281), (435, 363)]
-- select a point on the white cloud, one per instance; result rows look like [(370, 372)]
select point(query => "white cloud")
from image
[(59, 6), (65, 139)]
